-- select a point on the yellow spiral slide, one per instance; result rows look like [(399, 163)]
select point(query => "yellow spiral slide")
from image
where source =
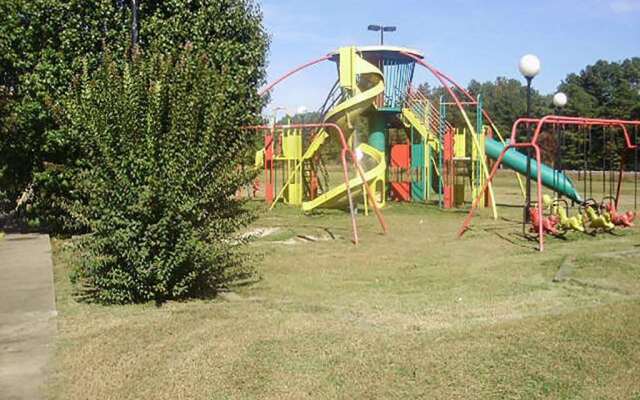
[(364, 82)]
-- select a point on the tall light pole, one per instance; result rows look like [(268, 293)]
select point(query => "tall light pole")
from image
[(134, 23), (382, 29), (559, 101), (529, 68)]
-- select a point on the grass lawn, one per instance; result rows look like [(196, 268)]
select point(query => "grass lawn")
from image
[(414, 314)]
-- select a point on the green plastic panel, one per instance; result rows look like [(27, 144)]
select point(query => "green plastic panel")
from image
[(418, 186)]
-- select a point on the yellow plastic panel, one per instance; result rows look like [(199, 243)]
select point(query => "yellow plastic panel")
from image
[(347, 76)]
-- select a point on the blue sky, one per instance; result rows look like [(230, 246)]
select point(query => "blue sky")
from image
[(468, 39)]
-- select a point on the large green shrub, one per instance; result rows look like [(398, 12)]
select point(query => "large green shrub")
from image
[(161, 144)]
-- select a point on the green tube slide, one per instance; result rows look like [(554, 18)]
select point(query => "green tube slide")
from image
[(551, 178)]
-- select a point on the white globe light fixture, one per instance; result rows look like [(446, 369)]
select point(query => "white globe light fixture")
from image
[(529, 66), (560, 100)]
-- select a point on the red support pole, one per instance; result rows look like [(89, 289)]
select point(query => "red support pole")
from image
[(449, 170)]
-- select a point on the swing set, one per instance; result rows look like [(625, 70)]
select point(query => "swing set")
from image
[(601, 216)]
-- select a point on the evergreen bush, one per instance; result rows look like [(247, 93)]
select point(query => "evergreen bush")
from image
[(160, 147)]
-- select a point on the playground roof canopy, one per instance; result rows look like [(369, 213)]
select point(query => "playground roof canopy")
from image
[(385, 50)]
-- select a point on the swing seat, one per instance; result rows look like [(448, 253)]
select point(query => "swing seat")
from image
[(625, 219), (575, 223), (566, 223), (549, 224), (631, 216), (599, 221)]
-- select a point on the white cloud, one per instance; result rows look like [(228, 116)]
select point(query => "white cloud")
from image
[(625, 6)]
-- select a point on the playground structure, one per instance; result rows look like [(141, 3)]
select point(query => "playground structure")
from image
[(413, 151)]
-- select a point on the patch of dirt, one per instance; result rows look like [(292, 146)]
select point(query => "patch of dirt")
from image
[(313, 236), (322, 236), (259, 233)]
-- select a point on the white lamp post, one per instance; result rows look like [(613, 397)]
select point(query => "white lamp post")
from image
[(529, 68), (560, 100)]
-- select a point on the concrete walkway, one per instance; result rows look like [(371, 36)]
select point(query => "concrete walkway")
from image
[(27, 311)]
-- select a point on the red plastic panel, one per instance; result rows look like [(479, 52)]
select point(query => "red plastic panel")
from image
[(401, 173), (449, 169)]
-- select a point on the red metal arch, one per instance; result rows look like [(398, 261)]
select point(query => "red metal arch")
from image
[(294, 71)]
